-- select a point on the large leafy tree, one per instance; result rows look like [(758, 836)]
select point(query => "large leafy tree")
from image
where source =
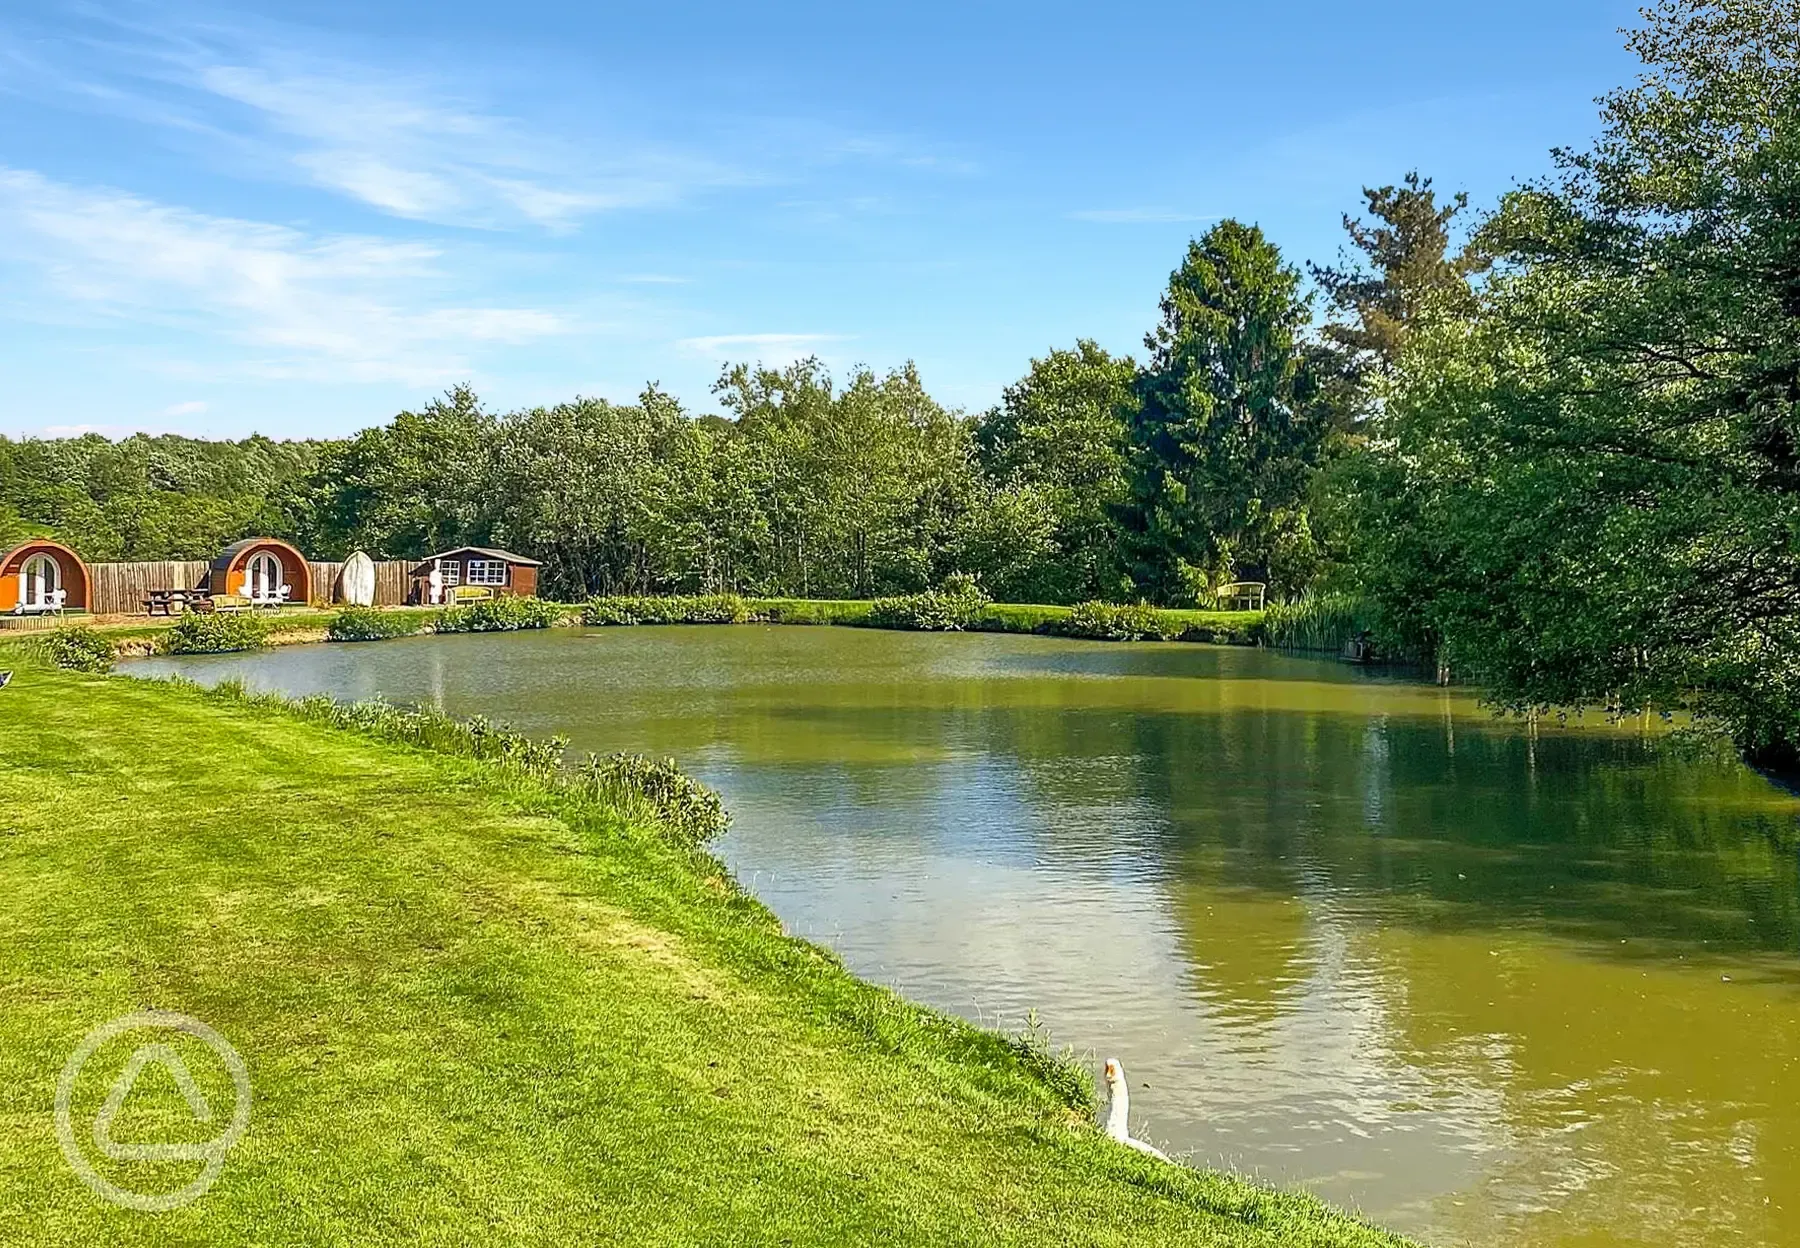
[(1591, 490), (1400, 273), (163, 497), (401, 490), (861, 487), (1229, 423), (599, 492), (1053, 450)]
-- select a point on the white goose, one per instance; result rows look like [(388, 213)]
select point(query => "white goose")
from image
[(1115, 1120)]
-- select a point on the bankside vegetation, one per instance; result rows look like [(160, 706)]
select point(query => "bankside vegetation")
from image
[(1552, 446), (216, 633), (1583, 481), (372, 624), (508, 1009), (499, 615)]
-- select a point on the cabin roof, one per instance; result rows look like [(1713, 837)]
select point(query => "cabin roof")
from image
[(231, 552), (36, 543), (488, 551)]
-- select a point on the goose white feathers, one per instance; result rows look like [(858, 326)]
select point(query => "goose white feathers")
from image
[(1115, 1120)]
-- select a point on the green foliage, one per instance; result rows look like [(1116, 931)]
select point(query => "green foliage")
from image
[(1105, 621), (1018, 617), (422, 726), (1588, 489), (501, 615), (614, 499), (813, 610), (414, 486), (1054, 451), (77, 648), (1059, 1068), (1405, 272), (1320, 623), (1230, 422), (370, 624), (164, 497), (684, 808), (216, 632), (672, 609), (654, 791), (955, 606)]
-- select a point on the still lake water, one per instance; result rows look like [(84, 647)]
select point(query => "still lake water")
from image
[(1487, 985)]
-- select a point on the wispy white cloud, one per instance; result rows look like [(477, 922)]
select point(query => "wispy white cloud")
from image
[(410, 149), (426, 138), (769, 348), (330, 307), (899, 151), (1136, 216), (287, 102), (193, 407)]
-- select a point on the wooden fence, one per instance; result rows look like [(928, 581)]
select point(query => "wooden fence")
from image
[(391, 583), (120, 588)]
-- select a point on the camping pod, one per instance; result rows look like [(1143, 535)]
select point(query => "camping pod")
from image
[(257, 568), (41, 575)]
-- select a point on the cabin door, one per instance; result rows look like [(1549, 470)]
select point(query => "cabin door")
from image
[(39, 581), (263, 577)]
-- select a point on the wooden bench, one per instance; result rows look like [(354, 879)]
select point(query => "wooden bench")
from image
[(1242, 596), (463, 594), (166, 602)]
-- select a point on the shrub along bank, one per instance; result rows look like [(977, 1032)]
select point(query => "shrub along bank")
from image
[(216, 633), (76, 648), (941, 610), (656, 791), (477, 1006), (372, 624), (93, 647), (501, 615)]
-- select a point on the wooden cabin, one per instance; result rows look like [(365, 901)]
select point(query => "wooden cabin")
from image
[(474, 568), (258, 568), (41, 576)]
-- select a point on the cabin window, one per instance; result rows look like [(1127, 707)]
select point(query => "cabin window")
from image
[(452, 572), (487, 572)]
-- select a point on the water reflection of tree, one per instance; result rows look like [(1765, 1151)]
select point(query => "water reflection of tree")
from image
[(1594, 834)]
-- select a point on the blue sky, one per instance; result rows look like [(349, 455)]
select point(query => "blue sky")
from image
[(299, 219)]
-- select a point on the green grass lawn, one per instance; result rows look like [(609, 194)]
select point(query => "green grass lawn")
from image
[(468, 1019)]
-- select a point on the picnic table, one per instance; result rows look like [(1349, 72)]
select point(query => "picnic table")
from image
[(167, 601)]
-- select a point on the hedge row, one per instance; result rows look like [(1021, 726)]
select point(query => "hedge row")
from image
[(500, 615)]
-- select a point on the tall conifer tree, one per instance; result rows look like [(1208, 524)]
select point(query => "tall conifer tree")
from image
[(1228, 423)]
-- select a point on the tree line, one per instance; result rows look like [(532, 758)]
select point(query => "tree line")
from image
[(1553, 445), (1094, 477)]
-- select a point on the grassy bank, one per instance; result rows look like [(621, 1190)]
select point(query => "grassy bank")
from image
[(1236, 627), (302, 625), (472, 1011)]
